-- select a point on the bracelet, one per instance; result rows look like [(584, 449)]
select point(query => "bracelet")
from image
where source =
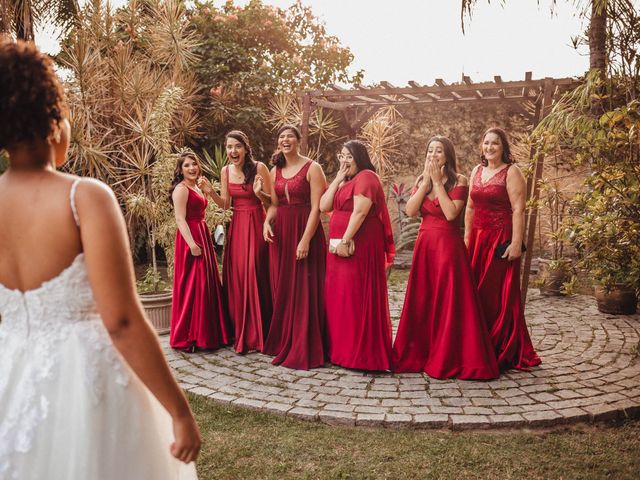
[(345, 242)]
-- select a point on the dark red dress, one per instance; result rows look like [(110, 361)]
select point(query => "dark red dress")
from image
[(441, 330), (358, 321), (246, 270), (198, 317), (296, 332), (498, 280)]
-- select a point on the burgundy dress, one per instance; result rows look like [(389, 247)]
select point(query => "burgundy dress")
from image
[(198, 316), (358, 321), (498, 280), (246, 270), (441, 330), (296, 333)]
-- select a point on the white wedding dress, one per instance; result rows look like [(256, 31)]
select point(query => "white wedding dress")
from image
[(70, 407)]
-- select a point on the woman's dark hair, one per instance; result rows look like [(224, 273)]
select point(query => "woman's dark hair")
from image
[(277, 159), (32, 100), (250, 167), (360, 155), (506, 149), (177, 171), (450, 165)]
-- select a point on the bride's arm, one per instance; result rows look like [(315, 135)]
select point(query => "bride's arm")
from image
[(110, 269)]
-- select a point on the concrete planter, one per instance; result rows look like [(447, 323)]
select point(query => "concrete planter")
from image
[(619, 301), (158, 309)]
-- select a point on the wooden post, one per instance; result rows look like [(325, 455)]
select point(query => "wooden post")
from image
[(304, 128), (535, 194)]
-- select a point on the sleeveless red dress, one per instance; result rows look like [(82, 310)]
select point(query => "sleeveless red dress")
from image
[(198, 317), (246, 270), (358, 320), (297, 324), (441, 330), (498, 280)]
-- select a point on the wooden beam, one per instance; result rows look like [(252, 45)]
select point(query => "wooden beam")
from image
[(306, 114), (415, 88), (332, 105), (527, 78), (440, 82), (535, 195)]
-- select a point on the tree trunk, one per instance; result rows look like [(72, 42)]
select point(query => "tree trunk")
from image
[(598, 46)]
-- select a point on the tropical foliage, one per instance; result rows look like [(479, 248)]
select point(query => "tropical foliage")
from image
[(133, 102), (605, 222), (254, 59), (20, 18)]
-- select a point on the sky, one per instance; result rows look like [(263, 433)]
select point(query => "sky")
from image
[(421, 40)]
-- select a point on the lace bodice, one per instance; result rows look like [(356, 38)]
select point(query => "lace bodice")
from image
[(295, 190), (38, 330), (492, 207)]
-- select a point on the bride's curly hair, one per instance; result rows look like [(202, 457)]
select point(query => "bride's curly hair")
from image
[(177, 171), (32, 100)]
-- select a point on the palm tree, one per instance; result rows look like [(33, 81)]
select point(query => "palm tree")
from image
[(20, 17)]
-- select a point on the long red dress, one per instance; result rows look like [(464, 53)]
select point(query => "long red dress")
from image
[(198, 317), (441, 330), (358, 321), (498, 280), (246, 270), (297, 324)]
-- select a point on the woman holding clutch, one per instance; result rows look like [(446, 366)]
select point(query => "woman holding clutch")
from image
[(494, 228), (441, 330), (361, 246)]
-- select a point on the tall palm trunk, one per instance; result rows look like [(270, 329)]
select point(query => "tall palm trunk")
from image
[(598, 48), (598, 38)]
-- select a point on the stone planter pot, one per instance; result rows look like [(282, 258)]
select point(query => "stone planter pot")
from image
[(158, 309), (619, 301), (553, 274)]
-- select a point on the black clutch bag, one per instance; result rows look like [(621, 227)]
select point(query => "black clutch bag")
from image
[(502, 247)]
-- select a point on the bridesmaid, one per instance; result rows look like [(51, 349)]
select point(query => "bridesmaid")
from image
[(297, 255), (358, 321), (198, 319), (441, 330), (246, 256), (494, 216)]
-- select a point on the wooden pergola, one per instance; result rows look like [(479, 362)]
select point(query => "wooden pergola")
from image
[(359, 104)]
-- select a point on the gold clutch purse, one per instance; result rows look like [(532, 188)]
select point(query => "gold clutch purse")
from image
[(334, 242)]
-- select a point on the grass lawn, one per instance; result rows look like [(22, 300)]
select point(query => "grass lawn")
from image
[(240, 443)]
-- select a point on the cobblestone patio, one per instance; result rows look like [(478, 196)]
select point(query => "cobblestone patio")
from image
[(590, 372)]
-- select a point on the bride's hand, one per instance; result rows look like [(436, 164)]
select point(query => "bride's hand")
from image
[(186, 446)]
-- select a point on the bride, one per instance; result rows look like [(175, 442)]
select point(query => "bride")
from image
[(85, 391)]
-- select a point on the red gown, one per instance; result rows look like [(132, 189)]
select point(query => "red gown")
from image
[(297, 324), (246, 270), (358, 321), (441, 330), (198, 317), (498, 280)]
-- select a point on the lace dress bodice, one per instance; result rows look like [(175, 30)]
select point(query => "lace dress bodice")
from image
[(49, 333), (492, 207), (294, 191)]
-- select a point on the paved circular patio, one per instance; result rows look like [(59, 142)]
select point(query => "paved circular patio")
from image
[(590, 372)]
